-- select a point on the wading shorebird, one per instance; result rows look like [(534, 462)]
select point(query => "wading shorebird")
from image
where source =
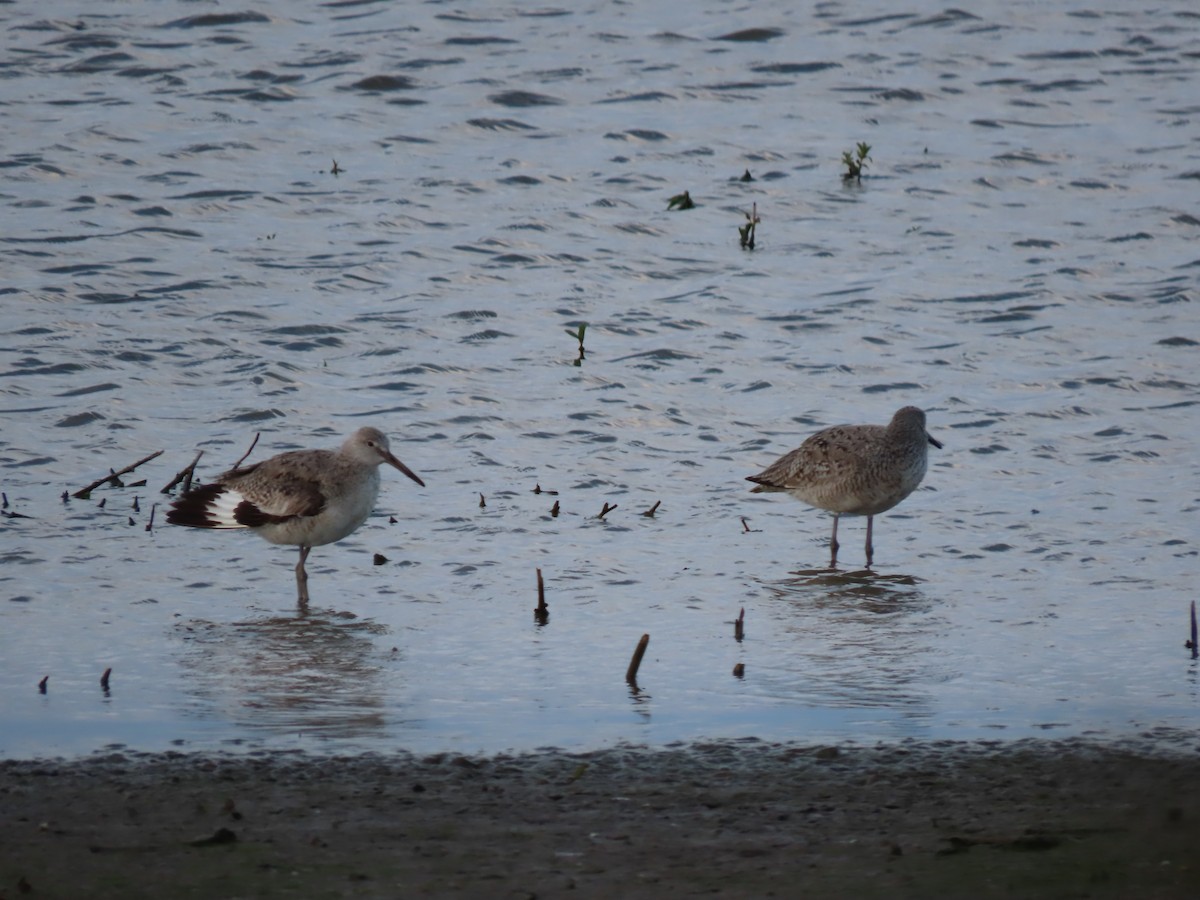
[(854, 470), (304, 498)]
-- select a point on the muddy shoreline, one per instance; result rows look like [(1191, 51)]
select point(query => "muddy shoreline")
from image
[(742, 818)]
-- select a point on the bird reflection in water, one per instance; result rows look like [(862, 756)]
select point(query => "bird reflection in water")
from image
[(319, 674)]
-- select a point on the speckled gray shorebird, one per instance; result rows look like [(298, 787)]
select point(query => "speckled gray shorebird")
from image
[(854, 470), (304, 497)]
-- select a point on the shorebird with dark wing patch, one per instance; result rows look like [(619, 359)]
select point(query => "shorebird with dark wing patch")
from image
[(304, 498)]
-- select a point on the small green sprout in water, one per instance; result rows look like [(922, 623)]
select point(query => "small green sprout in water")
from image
[(856, 162), (681, 201), (578, 335), (746, 232)]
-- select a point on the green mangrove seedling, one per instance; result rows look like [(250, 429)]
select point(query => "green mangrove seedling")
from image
[(856, 162), (746, 232), (578, 335)]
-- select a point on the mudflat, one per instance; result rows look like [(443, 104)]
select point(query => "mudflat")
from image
[(1029, 819)]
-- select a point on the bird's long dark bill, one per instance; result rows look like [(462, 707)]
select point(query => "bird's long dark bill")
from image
[(403, 468), (935, 442)]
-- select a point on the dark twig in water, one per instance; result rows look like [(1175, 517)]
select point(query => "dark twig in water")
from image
[(607, 509), (150, 524), (681, 201), (113, 477), (184, 475), (136, 507), (542, 613), (554, 509), (104, 679), (6, 512), (738, 625), (746, 232), (649, 514), (1193, 643), (638, 653), (42, 684), (537, 489), (482, 502), (578, 334), (745, 524), (254, 443)]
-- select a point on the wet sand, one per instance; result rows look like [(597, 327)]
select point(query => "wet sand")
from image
[(1027, 819)]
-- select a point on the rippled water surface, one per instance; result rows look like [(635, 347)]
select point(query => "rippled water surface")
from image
[(300, 218)]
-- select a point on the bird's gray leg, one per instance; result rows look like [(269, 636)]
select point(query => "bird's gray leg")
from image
[(833, 544), (870, 548), (302, 577)]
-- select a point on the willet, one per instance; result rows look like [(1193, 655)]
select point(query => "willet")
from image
[(854, 470), (303, 497)]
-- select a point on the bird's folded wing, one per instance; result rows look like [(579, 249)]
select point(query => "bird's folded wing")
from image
[(276, 499)]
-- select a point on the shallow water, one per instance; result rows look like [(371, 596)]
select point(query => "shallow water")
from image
[(183, 269)]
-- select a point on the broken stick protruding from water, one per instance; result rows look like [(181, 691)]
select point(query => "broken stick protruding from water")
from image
[(253, 444), (184, 475), (1193, 642), (738, 623), (542, 614), (104, 679), (631, 672), (607, 509), (112, 477)]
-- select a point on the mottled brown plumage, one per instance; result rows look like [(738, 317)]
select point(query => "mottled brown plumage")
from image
[(854, 470), (303, 497)]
